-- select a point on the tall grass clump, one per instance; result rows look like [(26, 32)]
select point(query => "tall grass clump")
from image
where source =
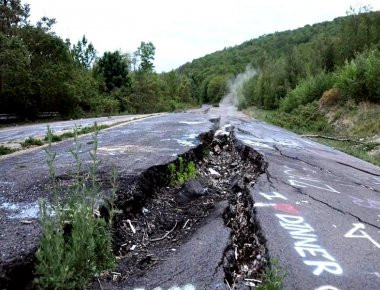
[(76, 243)]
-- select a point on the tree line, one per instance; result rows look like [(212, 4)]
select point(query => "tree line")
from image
[(40, 72)]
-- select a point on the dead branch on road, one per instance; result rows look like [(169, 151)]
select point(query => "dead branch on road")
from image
[(334, 138)]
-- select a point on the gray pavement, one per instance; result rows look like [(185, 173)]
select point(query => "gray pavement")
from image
[(12, 135), (319, 209), (131, 148)]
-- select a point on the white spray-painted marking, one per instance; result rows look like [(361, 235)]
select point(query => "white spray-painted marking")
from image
[(263, 204), (306, 245), (368, 203), (257, 144), (326, 287), (186, 287), (191, 122), (299, 181), (21, 210), (360, 227), (273, 195), (305, 240), (302, 184)]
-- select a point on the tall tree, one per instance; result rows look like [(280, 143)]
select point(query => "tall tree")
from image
[(12, 14), (113, 68), (145, 53), (84, 52)]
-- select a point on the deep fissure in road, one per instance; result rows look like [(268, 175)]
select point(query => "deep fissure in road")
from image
[(158, 217)]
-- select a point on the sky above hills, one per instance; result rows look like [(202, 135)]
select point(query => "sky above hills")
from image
[(182, 30)]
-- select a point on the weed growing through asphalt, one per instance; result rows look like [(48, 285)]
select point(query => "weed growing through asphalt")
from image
[(273, 277), (180, 172), (76, 243)]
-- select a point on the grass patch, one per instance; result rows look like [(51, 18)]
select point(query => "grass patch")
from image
[(358, 150), (76, 243), (78, 131), (309, 120), (180, 171), (31, 142), (273, 277), (304, 119), (5, 150)]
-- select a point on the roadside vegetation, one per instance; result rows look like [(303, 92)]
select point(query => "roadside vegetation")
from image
[(5, 150), (40, 72), (31, 142), (76, 244)]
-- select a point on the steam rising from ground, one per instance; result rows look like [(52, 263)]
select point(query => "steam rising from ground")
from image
[(235, 87)]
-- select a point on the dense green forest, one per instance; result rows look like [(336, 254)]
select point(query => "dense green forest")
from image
[(295, 67), (40, 72)]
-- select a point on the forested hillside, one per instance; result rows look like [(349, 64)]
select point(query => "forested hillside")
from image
[(304, 58), (40, 72), (322, 79)]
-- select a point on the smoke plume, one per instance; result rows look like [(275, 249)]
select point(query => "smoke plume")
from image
[(235, 86)]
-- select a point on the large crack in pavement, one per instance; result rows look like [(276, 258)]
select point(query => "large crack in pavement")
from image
[(160, 220)]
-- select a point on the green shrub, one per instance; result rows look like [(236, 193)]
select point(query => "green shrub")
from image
[(5, 150), (359, 79), (31, 142), (308, 90), (76, 243), (105, 105), (182, 172), (53, 137)]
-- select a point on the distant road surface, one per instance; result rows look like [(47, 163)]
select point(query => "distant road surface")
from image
[(16, 134)]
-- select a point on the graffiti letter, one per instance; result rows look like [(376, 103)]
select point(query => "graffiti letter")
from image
[(273, 195), (360, 227), (290, 219), (330, 267)]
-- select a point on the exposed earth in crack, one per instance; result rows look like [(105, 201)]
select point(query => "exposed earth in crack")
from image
[(160, 220)]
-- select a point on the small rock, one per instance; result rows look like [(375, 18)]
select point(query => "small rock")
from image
[(213, 172), (191, 190), (236, 183)]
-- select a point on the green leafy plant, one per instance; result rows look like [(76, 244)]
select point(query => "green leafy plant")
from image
[(182, 172), (76, 242)]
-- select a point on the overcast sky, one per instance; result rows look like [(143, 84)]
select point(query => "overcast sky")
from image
[(182, 30)]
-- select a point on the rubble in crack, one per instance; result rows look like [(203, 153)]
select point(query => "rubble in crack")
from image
[(158, 217)]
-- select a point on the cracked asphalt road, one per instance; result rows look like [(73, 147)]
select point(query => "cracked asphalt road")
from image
[(319, 209)]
